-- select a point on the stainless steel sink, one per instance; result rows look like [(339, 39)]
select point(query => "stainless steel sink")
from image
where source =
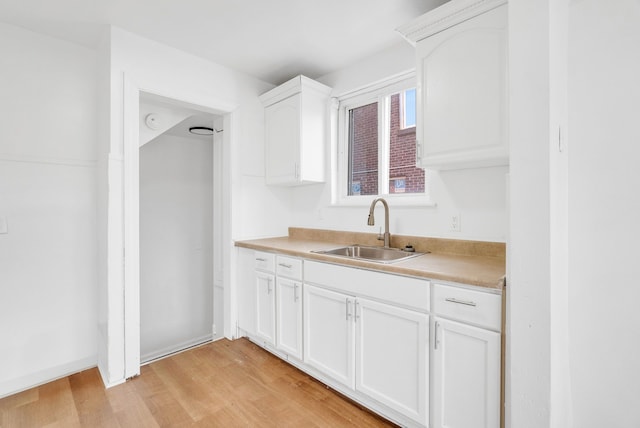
[(374, 254)]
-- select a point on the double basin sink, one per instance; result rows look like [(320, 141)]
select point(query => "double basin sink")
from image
[(372, 254)]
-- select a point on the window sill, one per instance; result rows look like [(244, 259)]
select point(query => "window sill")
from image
[(407, 131), (392, 200)]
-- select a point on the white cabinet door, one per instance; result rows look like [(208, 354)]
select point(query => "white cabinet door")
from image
[(392, 357), (466, 376), (462, 94), (266, 307), (329, 333), (295, 132), (246, 291), (282, 133), (289, 316)]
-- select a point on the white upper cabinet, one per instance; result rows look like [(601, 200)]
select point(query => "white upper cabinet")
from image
[(461, 50), (295, 132)]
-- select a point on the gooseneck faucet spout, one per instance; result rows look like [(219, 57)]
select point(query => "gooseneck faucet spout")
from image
[(371, 220)]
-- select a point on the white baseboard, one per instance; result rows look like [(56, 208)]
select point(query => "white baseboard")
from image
[(154, 355), (22, 383)]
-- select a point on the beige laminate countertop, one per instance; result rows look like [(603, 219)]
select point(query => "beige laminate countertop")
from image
[(472, 267)]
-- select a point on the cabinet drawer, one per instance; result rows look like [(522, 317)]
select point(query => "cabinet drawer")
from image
[(400, 290), (289, 267), (470, 306), (265, 261)]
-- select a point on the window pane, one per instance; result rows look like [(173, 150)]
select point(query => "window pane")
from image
[(409, 108), (363, 150), (404, 177)]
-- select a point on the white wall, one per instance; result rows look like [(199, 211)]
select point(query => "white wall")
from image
[(48, 293), (478, 195), (604, 206), (169, 71), (574, 323), (166, 117), (176, 243), (529, 278)]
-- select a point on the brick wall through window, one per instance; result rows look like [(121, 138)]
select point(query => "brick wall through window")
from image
[(404, 177), (402, 162), (363, 150)]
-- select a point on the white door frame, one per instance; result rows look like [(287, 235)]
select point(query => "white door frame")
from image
[(131, 198)]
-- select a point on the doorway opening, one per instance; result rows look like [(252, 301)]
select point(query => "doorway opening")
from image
[(179, 194)]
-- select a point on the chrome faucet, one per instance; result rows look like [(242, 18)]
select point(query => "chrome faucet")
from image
[(371, 221)]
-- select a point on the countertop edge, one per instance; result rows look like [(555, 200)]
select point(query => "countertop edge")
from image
[(406, 268)]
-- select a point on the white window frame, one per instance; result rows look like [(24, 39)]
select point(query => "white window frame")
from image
[(377, 92)]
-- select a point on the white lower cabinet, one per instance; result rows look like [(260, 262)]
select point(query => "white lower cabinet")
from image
[(466, 376), (392, 362), (246, 292), (266, 307), (328, 333), (288, 320), (423, 354), (466, 354), (289, 316), (375, 348)]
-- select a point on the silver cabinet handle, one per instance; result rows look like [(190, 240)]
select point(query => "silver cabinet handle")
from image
[(269, 286), (356, 311), (435, 335), (295, 292), (259, 259), (284, 265), (348, 309), (460, 302)]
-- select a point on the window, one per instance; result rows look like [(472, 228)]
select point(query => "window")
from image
[(377, 147), (408, 108)]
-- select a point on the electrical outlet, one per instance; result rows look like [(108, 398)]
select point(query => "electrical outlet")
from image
[(455, 223)]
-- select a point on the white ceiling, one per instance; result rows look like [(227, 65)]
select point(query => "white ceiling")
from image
[(273, 40)]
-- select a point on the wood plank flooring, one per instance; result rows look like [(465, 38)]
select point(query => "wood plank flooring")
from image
[(220, 384)]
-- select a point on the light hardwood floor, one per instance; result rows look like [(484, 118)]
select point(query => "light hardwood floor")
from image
[(220, 384)]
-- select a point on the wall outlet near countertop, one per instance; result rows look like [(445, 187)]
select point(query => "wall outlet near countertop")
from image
[(455, 223)]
